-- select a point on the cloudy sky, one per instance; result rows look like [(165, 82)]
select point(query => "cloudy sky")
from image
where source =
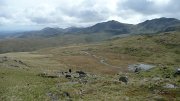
[(36, 14)]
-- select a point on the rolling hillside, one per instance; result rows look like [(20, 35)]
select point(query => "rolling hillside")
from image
[(38, 75)]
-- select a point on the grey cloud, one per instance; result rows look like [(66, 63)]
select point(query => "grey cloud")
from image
[(91, 16), (141, 6), (85, 12), (173, 6), (146, 7), (88, 15), (5, 15), (41, 20)]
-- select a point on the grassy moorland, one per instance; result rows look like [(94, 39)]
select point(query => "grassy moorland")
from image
[(35, 42), (22, 73)]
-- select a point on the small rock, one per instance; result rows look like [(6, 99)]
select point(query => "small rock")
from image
[(156, 78), (81, 74), (177, 72), (139, 67), (137, 70), (124, 79), (170, 86), (66, 94), (70, 70), (67, 76)]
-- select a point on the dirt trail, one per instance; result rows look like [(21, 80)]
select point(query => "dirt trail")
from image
[(101, 59)]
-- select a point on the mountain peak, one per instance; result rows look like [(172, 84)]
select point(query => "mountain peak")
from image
[(47, 28), (50, 29), (113, 21)]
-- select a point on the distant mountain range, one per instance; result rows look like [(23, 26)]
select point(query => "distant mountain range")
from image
[(113, 27), (52, 37)]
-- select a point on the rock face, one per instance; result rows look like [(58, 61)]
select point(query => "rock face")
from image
[(124, 79), (177, 72), (139, 67)]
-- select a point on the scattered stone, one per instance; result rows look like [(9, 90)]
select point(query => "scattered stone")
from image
[(177, 72), (140, 67), (170, 86), (68, 76), (3, 59), (66, 94), (156, 78), (70, 70), (81, 92), (16, 60), (81, 74), (137, 70), (11, 62), (83, 81), (14, 66), (164, 68), (124, 79), (22, 63), (45, 75), (62, 73), (42, 74), (52, 96)]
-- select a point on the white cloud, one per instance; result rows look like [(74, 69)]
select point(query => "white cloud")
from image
[(64, 13)]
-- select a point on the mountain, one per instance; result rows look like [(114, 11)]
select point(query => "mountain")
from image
[(108, 27), (46, 32), (52, 30), (113, 27), (50, 37), (157, 25)]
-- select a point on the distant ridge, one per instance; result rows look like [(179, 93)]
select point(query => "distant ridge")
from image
[(157, 25), (52, 37), (113, 27)]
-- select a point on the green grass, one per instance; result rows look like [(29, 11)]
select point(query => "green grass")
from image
[(161, 50), (36, 43)]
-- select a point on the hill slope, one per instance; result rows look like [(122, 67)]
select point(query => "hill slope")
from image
[(38, 75)]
